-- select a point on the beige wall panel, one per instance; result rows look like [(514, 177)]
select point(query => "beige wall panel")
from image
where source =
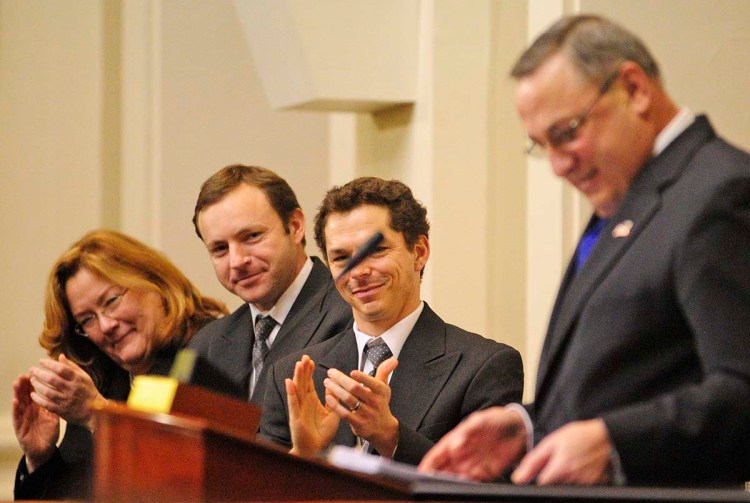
[(50, 165), (460, 169), (507, 179), (340, 55)]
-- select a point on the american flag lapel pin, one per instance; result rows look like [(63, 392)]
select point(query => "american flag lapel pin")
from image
[(622, 230)]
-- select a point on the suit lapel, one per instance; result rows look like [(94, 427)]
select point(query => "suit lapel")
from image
[(305, 316), (579, 286), (234, 346), (641, 203), (423, 369)]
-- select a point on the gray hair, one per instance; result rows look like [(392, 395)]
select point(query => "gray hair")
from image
[(595, 45)]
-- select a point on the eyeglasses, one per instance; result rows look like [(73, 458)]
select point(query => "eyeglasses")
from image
[(86, 326), (560, 134)]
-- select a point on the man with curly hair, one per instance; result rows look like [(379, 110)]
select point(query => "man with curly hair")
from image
[(401, 377)]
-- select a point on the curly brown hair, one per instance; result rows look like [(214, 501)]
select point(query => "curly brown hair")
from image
[(408, 216)]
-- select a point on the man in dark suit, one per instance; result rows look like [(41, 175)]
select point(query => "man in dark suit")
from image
[(254, 230), (644, 376), (444, 373)]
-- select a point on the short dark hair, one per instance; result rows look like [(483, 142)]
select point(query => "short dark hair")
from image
[(595, 45), (408, 215), (277, 190)]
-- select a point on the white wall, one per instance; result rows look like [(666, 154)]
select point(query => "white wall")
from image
[(50, 176)]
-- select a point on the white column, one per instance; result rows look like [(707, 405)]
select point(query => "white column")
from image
[(141, 119)]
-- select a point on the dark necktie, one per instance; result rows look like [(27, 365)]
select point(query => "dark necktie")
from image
[(263, 328), (588, 241), (377, 351)]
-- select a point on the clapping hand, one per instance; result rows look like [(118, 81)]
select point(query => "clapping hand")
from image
[(36, 428)]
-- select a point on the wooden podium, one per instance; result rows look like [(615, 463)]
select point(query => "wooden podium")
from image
[(142, 456)]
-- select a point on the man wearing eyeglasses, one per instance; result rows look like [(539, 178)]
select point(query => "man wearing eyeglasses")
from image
[(644, 376)]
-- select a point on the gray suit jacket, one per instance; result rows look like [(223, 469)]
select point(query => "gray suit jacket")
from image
[(652, 334), (318, 314), (444, 374)]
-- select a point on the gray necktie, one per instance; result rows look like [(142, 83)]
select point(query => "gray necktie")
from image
[(377, 351), (263, 327)]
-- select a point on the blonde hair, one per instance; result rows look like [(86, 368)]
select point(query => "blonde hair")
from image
[(129, 263)]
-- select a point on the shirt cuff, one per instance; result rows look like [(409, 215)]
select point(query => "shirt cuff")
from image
[(618, 474), (517, 407)]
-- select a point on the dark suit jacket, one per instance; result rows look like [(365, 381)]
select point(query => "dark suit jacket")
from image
[(652, 334), (68, 474), (444, 374), (317, 314)]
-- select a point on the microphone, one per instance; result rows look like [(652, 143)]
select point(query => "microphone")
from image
[(362, 253)]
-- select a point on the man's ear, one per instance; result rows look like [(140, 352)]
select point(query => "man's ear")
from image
[(638, 86), (421, 252), (296, 225)]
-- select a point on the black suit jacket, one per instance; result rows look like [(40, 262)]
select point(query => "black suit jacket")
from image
[(444, 374), (317, 314), (652, 333)]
